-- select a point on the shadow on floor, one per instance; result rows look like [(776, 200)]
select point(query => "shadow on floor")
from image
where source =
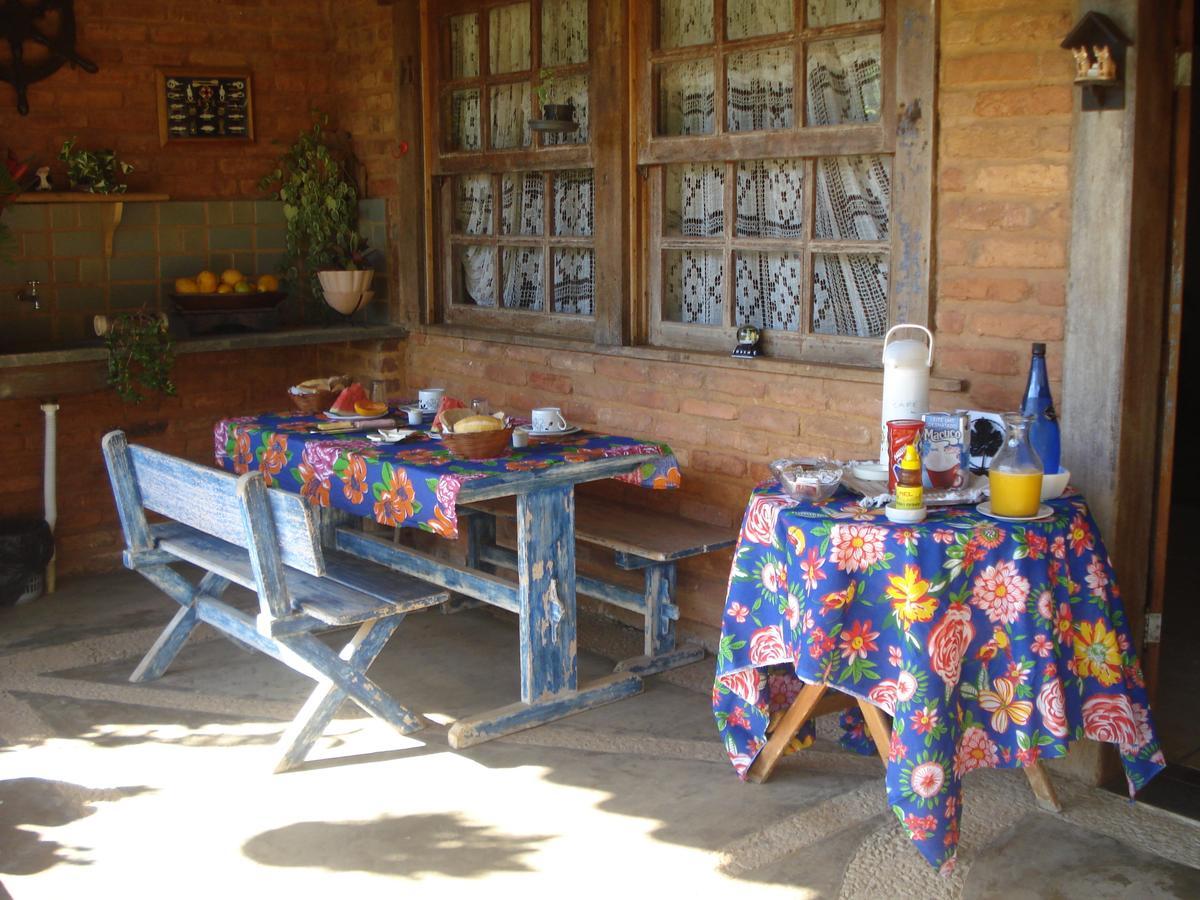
[(396, 845), (50, 804)]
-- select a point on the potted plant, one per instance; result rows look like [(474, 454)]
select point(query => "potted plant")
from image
[(346, 284), (140, 354), (553, 112), (320, 202), (94, 171)]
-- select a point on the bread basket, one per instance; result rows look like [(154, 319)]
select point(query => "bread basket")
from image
[(479, 444), (311, 404)]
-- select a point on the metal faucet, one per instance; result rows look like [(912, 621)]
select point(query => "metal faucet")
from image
[(29, 294)]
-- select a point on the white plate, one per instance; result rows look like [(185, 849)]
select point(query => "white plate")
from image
[(1044, 512), (549, 434), (352, 417)]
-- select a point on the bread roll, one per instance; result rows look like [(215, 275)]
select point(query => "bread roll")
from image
[(473, 424)]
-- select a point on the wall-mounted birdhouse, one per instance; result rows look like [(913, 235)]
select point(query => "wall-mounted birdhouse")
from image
[(1098, 46)]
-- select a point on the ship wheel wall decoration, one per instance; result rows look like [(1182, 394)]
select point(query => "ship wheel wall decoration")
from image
[(48, 26)]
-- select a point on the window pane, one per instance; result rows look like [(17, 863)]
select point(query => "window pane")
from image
[(837, 12), (522, 204), (473, 204), (850, 294), (686, 98), (751, 18), (564, 32), (695, 200), (574, 281), (464, 46), (508, 39), (760, 90), (767, 288), (853, 198), (770, 198), (522, 277), (574, 90), (510, 115), (573, 203), (477, 269), (464, 120), (684, 23), (844, 81), (693, 286)]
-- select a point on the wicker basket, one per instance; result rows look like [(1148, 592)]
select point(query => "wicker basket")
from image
[(479, 444), (311, 404)]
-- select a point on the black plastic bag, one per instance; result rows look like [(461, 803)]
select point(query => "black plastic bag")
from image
[(26, 545)]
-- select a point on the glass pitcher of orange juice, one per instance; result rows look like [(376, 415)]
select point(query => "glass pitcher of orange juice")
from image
[(1015, 476)]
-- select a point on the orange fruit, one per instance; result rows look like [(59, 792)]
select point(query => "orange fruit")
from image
[(232, 276), (268, 283), (224, 289), (206, 282), (186, 286), (367, 408)]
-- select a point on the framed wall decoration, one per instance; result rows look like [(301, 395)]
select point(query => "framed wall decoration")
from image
[(198, 104)]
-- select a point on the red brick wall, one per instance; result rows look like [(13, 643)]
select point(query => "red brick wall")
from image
[(210, 386), (285, 44)]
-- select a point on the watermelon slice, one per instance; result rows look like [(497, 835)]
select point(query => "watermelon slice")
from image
[(347, 398)]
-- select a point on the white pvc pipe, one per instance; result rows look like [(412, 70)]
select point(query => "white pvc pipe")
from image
[(50, 483)]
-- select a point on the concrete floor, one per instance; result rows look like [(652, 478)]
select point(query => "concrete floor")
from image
[(165, 789)]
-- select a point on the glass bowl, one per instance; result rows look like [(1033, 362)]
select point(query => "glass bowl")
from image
[(811, 478)]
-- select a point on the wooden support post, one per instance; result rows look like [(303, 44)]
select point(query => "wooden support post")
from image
[(797, 714), (1043, 788), (546, 596), (878, 727)]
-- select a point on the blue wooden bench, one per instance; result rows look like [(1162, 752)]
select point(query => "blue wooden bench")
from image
[(239, 532), (640, 539)]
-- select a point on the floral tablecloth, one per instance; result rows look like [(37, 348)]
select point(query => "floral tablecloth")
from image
[(991, 644), (413, 484)]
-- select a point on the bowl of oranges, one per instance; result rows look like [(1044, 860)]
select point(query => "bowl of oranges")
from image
[(231, 290)]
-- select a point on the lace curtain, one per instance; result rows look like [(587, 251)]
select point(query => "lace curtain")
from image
[(521, 281), (853, 194)]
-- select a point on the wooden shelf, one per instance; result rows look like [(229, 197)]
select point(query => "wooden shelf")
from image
[(83, 197), (111, 221)]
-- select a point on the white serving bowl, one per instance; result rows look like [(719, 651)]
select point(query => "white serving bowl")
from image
[(1054, 485)]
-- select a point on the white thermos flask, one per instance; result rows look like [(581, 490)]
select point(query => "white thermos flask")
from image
[(906, 365)]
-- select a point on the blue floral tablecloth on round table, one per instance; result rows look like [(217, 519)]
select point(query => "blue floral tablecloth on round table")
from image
[(414, 484), (991, 644)]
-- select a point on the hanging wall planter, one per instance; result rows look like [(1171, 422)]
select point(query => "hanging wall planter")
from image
[(556, 117)]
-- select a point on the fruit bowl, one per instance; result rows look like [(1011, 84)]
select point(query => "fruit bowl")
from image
[(202, 303)]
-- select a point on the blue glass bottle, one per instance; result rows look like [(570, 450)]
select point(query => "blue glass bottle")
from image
[(1043, 433)]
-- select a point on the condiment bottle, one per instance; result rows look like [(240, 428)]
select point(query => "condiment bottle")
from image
[(910, 493)]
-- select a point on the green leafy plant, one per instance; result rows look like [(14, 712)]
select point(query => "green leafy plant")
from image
[(545, 85), (314, 180), (140, 356), (354, 253), (94, 171)]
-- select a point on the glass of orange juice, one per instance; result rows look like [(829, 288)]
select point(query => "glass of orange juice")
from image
[(1015, 476)]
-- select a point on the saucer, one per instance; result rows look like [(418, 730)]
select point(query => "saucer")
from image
[(541, 435), (352, 417), (1044, 512)]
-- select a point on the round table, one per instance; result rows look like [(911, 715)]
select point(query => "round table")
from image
[(991, 644)]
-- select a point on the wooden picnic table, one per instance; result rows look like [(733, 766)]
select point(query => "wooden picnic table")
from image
[(422, 480)]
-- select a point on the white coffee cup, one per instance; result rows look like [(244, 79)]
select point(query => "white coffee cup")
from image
[(429, 398), (548, 418)]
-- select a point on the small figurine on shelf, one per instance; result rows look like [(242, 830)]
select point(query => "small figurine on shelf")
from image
[(43, 175), (1083, 62), (749, 342), (1106, 66)]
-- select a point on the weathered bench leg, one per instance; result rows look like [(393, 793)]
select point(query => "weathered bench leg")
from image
[(549, 672), (325, 700), (660, 650), (173, 637)]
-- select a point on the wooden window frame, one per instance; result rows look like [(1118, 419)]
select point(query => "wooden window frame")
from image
[(902, 134), (605, 155)]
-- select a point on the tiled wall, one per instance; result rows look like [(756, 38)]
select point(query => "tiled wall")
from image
[(62, 246)]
